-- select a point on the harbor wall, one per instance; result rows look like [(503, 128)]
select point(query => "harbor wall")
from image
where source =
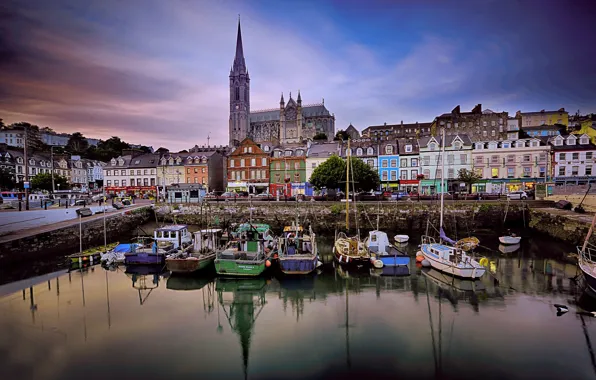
[(327, 217), (563, 225), (66, 240)]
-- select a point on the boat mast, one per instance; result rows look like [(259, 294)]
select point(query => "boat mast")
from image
[(348, 187), (442, 176), (589, 234)]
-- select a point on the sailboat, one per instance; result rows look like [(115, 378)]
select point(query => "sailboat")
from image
[(446, 255), (350, 250), (587, 260)]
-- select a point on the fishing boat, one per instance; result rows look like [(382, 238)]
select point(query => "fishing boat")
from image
[(350, 250), (116, 254), (91, 255), (298, 253), (249, 251), (508, 248), (199, 255), (386, 255), (165, 241), (445, 255), (177, 234), (587, 260)]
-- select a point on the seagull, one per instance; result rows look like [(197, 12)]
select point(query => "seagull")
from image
[(561, 309)]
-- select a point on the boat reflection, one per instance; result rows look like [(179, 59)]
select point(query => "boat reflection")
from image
[(140, 274), (509, 248), (242, 301)]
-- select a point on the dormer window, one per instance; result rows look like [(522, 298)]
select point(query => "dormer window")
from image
[(583, 140), (178, 161), (31, 162), (359, 152), (348, 152), (571, 140), (492, 145), (479, 146), (42, 163), (389, 149), (370, 151), (520, 144), (137, 162), (299, 152), (409, 147), (432, 146), (19, 160), (558, 142), (457, 145), (534, 144), (266, 148), (506, 145), (204, 159), (113, 162), (288, 153)]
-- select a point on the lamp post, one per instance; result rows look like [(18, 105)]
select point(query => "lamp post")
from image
[(52, 159), (26, 170)]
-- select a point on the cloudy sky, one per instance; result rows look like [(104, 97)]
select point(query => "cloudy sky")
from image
[(156, 72)]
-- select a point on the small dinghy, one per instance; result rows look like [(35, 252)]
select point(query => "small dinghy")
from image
[(510, 240), (509, 248), (401, 238)]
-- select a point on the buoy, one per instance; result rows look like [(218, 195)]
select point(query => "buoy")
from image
[(425, 263), (378, 264), (484, 261), (267, 263), (419, 258), (275, 256)]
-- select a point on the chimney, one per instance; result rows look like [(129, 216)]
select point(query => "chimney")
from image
[(456, 110), (477, 109)]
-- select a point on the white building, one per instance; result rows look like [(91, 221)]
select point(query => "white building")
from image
[(12, 137), (317, 154), (458, 155), (574, 159), (512, 128), (507, 166), (131, 173)]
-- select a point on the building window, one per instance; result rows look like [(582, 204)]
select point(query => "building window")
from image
[(575, 156), (123, 182), (561, 170), (202, 170), (314, 165), (384, 176), (123, 172), (527, 158), (527, 171), (451, 173), (389, 149), (484, 133), (574, 170), (384, 163), (108, 183), (463, 159), (409, 147), (493, 133), (145, 172), (561, 156), (588, 170), (359, 152), (494, 172), (510, 172), (479, 160), (542, 171), (426, 173), (264, 161), (494, 159), (370, 151), (278, 165), (116, 182), (414, 163), (450, 159), (403, 163), (426, 160), (138, 172), (242, 162), (231, 163), (439, 173), (188, 170), (132, 181), (253, 162), (296, 177)]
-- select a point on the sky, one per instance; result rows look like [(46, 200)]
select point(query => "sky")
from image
[(156, 72)]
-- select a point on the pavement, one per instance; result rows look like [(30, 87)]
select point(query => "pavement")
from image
[(23, 231)]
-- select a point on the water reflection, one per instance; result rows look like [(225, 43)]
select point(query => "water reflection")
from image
[(328, 325)]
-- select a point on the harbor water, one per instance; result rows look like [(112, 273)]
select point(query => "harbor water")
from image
[(144, 323)]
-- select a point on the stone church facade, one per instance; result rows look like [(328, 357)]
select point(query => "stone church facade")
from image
[(288, 124)]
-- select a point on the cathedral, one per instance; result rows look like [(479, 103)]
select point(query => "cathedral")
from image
[(290, 123)]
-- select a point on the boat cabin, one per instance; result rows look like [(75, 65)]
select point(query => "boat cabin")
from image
[(445, 252), (295, 242), (252, 236), (176, 234), (378, 242), (207, 240)]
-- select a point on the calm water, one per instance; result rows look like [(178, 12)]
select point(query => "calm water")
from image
[(99, 324)]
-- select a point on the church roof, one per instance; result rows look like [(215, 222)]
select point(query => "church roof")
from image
[(273, 113)]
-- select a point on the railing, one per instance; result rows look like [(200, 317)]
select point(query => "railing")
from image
[(427, 240), (573, 189)]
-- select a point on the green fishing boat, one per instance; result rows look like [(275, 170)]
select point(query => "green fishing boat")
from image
[(249, 251), (91, 254)]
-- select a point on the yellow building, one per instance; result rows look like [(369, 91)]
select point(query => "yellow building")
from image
[(536, 119), (584, 127)]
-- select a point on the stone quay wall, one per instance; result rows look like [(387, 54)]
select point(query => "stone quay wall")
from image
[(327, 217), (563, 225), (66, 240)]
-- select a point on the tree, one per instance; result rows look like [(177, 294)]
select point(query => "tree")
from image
[(320, 136), (43, 181), (107, 149), (331, 174), (341, 136), (145, 149), (7, 179), (77, 143), (34, 143), (468, 177), (162, 150)]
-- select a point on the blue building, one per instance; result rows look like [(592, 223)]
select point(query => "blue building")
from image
[(389, 164)]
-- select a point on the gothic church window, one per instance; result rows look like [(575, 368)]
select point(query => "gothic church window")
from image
[(237, 93)]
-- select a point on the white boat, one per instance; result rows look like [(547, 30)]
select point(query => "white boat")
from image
[(587, 260), (401, 238), (510, 240), (445, 255)]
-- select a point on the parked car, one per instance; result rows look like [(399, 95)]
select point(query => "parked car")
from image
[(517, 195)]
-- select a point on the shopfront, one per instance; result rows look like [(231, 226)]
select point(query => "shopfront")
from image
[(281, 189), (409, 185), (430, 186), (237, 186), (509, 185), (139, 191), (481, 187), (298, 188), (258, 187), (390, 186)]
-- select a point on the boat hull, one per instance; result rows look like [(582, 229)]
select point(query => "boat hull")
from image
[(465, 272), (590, 279), (240, 268), (351, 261), (144, 259), (394, 271), (509, 240), (298, 264), (401, 238), (188, 265), (394, 261)]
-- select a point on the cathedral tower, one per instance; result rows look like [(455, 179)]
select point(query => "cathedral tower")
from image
[(239, 95)]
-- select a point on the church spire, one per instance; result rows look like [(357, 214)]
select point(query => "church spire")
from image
[(299, 99), (239, 63)]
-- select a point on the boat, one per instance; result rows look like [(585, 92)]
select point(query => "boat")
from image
[(350, 250), (298, 253), (445, 255), (165, 241), (510, 240), (199, 255), (587, 260), (91, 255), (467, 244), (116, 254), (249, 251), (384, 254), (139, 275), (401, 238)]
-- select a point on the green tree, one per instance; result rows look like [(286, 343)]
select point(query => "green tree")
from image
[(320, 136), (43, 181), (77, 143), (331, 174), (162, 150), (106, 150), (7, 179), (341, 136), (468, 177)]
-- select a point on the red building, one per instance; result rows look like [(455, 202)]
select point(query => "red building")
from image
[(248, 168)]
